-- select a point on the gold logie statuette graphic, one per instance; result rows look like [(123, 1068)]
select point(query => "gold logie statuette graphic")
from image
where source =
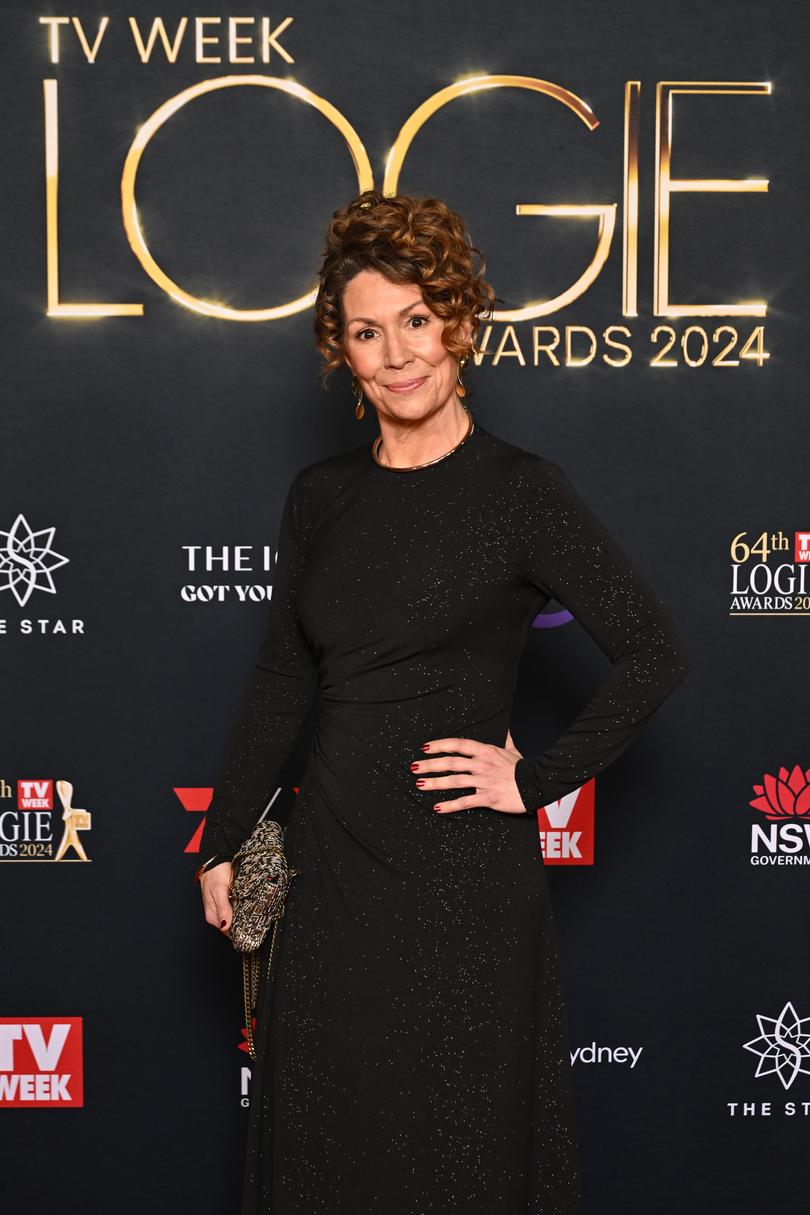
[(75, 820)]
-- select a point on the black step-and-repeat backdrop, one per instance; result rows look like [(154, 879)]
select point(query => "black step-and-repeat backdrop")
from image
[(637, 176)]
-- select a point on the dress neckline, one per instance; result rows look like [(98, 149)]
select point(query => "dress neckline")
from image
[(440, 460)]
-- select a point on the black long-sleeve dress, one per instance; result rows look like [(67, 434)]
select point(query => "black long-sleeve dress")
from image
[(411, 1039)]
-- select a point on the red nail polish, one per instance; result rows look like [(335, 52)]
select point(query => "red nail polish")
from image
[(222, 923), (438, 809), (420, 782), (414, 767), (425, 746)]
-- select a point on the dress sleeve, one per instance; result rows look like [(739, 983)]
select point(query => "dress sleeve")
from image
[(570, 555), (273, 706)]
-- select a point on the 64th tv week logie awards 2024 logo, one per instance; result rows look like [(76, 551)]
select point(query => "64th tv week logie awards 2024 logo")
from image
[(770, 576), (29, 828)]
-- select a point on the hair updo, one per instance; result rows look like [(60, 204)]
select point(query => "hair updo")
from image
[(408, 240)]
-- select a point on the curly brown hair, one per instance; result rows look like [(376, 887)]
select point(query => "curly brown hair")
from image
[(409, 240)]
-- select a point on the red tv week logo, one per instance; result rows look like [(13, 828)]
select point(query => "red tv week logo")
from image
[(802, 552), (41, 1062), (566, 827), (35, 794)]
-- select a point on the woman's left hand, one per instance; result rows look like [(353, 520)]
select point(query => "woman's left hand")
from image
[(488, 769)]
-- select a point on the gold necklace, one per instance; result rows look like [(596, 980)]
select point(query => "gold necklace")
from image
[(375, 449)]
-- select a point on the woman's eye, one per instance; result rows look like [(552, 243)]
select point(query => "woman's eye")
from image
[(364, 335)]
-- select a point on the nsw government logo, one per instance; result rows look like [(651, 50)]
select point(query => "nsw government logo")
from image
[(30, 829), (784, 837)]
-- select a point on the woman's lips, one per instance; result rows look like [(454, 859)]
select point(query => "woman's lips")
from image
[(406, 385)]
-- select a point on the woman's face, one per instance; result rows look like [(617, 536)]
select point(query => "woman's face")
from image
[(392, 342)]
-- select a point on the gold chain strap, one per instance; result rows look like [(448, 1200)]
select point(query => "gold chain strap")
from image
[(250, 979)]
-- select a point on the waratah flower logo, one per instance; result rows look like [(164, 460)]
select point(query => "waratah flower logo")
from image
[(783, 1045), (784, 796), (27, 560)]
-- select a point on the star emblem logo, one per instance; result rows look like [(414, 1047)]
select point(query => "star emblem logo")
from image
[(27, 560), (783, 1045)]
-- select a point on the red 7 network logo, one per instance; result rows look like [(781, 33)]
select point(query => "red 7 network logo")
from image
[(197, 801)]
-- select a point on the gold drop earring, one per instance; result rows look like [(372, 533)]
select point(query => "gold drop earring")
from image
[(460, 389), (359, 407)]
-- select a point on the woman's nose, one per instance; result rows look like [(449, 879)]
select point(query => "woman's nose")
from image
[(396, 351)]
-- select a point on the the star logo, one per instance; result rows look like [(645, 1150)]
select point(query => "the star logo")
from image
[(27, 560), (783, 1045)]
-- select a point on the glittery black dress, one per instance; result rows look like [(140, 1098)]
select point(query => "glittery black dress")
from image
[(411, 1038)]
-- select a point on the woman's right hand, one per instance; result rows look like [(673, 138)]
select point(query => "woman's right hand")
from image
[(215, 883)]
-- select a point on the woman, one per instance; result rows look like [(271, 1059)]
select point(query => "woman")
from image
[(411, 1049)]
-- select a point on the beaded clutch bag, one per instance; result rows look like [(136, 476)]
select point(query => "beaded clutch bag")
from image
[(260, 882)]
